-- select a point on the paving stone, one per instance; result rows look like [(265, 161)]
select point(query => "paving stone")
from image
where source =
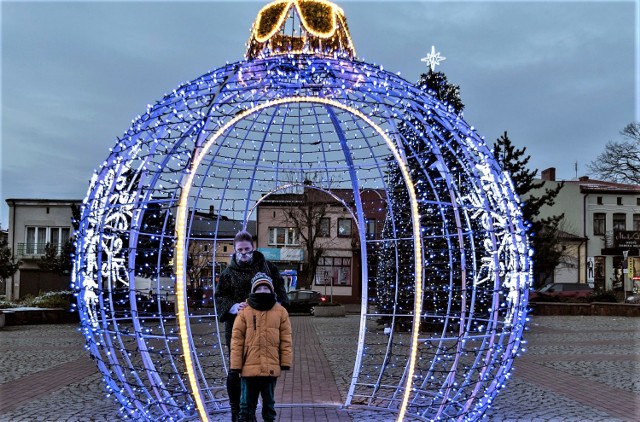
[(575, 369)]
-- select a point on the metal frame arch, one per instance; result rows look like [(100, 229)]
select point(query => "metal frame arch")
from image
[(181, 227)]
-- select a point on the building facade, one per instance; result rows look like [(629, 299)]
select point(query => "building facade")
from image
[(211, 247), (281, 217), (602, 226), (33, 224)]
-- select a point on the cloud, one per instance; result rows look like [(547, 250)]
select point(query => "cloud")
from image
[(559, 76)]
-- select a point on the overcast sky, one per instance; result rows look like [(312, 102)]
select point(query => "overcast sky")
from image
[(560, 77)]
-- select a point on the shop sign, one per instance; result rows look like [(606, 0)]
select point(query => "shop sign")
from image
[(270, 254), (626, 239), (283, 254), (291, 254)]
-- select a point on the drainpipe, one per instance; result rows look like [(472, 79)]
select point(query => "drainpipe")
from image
[(13, 251), (584, 234), (582, 242)]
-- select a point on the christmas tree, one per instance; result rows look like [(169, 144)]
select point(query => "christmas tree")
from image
[(395, 281), (543, 232)]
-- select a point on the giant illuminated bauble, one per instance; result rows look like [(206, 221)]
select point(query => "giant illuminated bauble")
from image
[(302, 112)]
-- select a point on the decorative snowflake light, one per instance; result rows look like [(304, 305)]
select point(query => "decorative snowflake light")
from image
[(301, 105)]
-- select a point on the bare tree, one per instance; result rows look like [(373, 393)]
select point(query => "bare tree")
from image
[(198, 262), (620, 161), (308, 214)]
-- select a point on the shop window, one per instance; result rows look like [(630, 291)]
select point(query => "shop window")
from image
[(599, 274), (599, 223), (344, 227), (333, 271), (618, 279), (619, 221)]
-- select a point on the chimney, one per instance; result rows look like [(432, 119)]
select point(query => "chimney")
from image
[(583, 178), (549, 174), (211, 210)]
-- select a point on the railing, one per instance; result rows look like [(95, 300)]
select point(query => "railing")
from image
[(34, 249)]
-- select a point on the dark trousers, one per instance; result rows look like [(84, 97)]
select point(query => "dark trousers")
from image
[(252, 387), (233, 379)]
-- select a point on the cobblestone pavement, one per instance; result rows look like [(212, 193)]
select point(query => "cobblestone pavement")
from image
[(575, 369)]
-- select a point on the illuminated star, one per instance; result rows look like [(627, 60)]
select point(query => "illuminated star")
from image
[(433, 59)]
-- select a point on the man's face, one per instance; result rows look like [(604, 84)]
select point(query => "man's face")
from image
[(244, 252)]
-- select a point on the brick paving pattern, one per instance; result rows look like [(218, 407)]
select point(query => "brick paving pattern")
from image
[(575, 369)]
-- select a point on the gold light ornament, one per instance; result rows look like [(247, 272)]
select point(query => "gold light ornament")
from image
[(321, 29)]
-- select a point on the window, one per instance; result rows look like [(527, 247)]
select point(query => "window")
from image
[(599, 223), (619, 221), (325, 227), (619, 201), (344, 227), (599, 200), (636, 222), (333, 270), (371, 229), (637, 201), (38, 237), (283, 236)]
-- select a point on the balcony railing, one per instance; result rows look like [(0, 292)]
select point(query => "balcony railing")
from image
[(34, 249)]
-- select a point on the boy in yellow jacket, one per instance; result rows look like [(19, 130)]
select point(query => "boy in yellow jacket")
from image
[(261, 347)]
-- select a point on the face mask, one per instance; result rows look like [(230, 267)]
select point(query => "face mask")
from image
[(244, 258)]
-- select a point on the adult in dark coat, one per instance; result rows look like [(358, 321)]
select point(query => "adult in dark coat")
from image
[(232, 290)]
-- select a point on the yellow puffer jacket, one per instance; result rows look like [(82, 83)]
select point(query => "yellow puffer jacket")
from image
[(261, 342)]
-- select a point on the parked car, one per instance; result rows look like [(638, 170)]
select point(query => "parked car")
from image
[(304, 300), (566, 290)]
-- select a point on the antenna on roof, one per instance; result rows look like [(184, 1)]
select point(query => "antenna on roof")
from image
[(576, 168)]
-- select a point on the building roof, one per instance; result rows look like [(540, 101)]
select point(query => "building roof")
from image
[(588, 185), (13, 201), (205, 226), (570, 237)]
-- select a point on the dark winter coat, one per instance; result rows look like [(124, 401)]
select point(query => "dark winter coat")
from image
[(234, 285), (261, 344)]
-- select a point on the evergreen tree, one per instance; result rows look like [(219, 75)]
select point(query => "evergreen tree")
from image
[(8, 266), (543, 231), (154, 247), (396, 267), (58, 259)]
